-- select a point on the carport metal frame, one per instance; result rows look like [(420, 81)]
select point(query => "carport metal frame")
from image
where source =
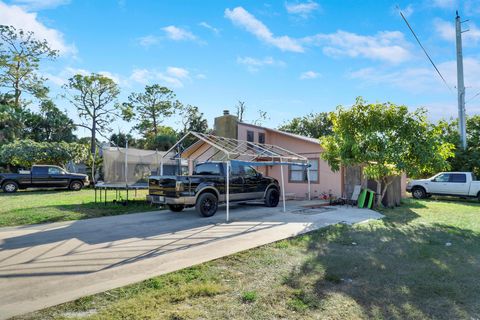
[(256, 154)]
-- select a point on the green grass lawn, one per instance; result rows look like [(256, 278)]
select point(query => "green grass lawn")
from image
[(29, 207), (421, 261)]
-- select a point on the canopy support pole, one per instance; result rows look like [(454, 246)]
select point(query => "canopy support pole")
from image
[(308, 179), (283, 186), (228, 190), (126, 163), (161, 167)]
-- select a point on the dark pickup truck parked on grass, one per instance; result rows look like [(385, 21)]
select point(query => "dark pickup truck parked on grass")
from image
[(205, 189), (42, 176)]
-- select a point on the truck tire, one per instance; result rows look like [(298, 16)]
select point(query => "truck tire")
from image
[(207, 204), (272, 197), (176, 207), (10, 187), (419, 193), (75, 185)]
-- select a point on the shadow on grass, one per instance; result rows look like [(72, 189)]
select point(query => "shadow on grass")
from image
[(391, 270)]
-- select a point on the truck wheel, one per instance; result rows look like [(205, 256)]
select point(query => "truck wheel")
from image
[(10, 187), (176, 207), (272, 197), (75, 186), (207, 204), (419, 193)]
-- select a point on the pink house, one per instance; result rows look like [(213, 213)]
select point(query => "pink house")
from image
[(322, 178)]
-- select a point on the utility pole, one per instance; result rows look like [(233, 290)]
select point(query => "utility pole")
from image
[(462, 129)]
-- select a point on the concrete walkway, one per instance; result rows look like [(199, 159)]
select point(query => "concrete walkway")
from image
[(45, 265)]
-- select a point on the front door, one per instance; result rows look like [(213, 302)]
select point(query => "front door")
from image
[(254, 184), (440, 184), (57, 177), (237, 182)]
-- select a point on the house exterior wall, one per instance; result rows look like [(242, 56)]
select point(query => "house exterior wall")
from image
[(328, 181)]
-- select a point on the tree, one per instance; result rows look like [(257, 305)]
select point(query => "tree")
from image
[(20, 56), (25, 153), (149, 108), (94, 97), (262, 116), (50, 124), (386, 140), (192, 119), (240, 110), (120, 140), (463, 160), (313, 125), (11, 120), (165, 138)]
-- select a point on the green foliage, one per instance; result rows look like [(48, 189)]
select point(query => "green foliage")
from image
[(463, 160), (386, 140), (20, 56), (149, 108), (249, 296), (25, 153), (51, 124), (161, 142), (314, 125), (120, 139), (11, 119)]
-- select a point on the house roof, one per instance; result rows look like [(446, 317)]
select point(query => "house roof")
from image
[(293, 135)]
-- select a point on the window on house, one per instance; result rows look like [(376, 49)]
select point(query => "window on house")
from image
[(261, 137), (250, 136), (299, 173)]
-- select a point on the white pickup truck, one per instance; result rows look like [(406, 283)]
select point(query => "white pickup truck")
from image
[(457, 184)]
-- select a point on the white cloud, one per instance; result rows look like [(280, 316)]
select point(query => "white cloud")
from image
[(445, 4), (178, 34), (62, 77), (303, 9), (446, 31), (148, 40), (254, 64), (16, 16), (423, 79), (35, 5), (308, 75), (209, 27), (407, 11), (389, 46), (173, 76), (179, 73), (242, 18)]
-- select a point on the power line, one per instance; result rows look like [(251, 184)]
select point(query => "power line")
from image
[(473, 98), (424, 50)]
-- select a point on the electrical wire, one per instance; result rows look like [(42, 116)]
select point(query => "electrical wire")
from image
[(473, 98), (424, 50)]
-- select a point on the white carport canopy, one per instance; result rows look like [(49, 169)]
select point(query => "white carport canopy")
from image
[(227, 150)]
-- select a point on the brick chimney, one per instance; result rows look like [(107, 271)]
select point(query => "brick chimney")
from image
[(226, 125)]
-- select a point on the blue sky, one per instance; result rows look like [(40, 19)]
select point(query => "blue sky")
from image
[(287, 58)]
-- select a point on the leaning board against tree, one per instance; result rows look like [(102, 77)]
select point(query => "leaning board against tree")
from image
[(386, 140)]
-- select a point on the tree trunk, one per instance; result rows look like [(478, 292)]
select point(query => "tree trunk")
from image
[(155, 129), (17, 87)]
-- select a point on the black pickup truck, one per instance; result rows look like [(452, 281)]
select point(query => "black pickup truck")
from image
[(205, 189), (42, 176)]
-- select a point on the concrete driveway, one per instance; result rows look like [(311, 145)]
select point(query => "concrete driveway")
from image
[(45, 265)]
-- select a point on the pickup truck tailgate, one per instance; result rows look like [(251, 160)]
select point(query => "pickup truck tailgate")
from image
[(162, 186)]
